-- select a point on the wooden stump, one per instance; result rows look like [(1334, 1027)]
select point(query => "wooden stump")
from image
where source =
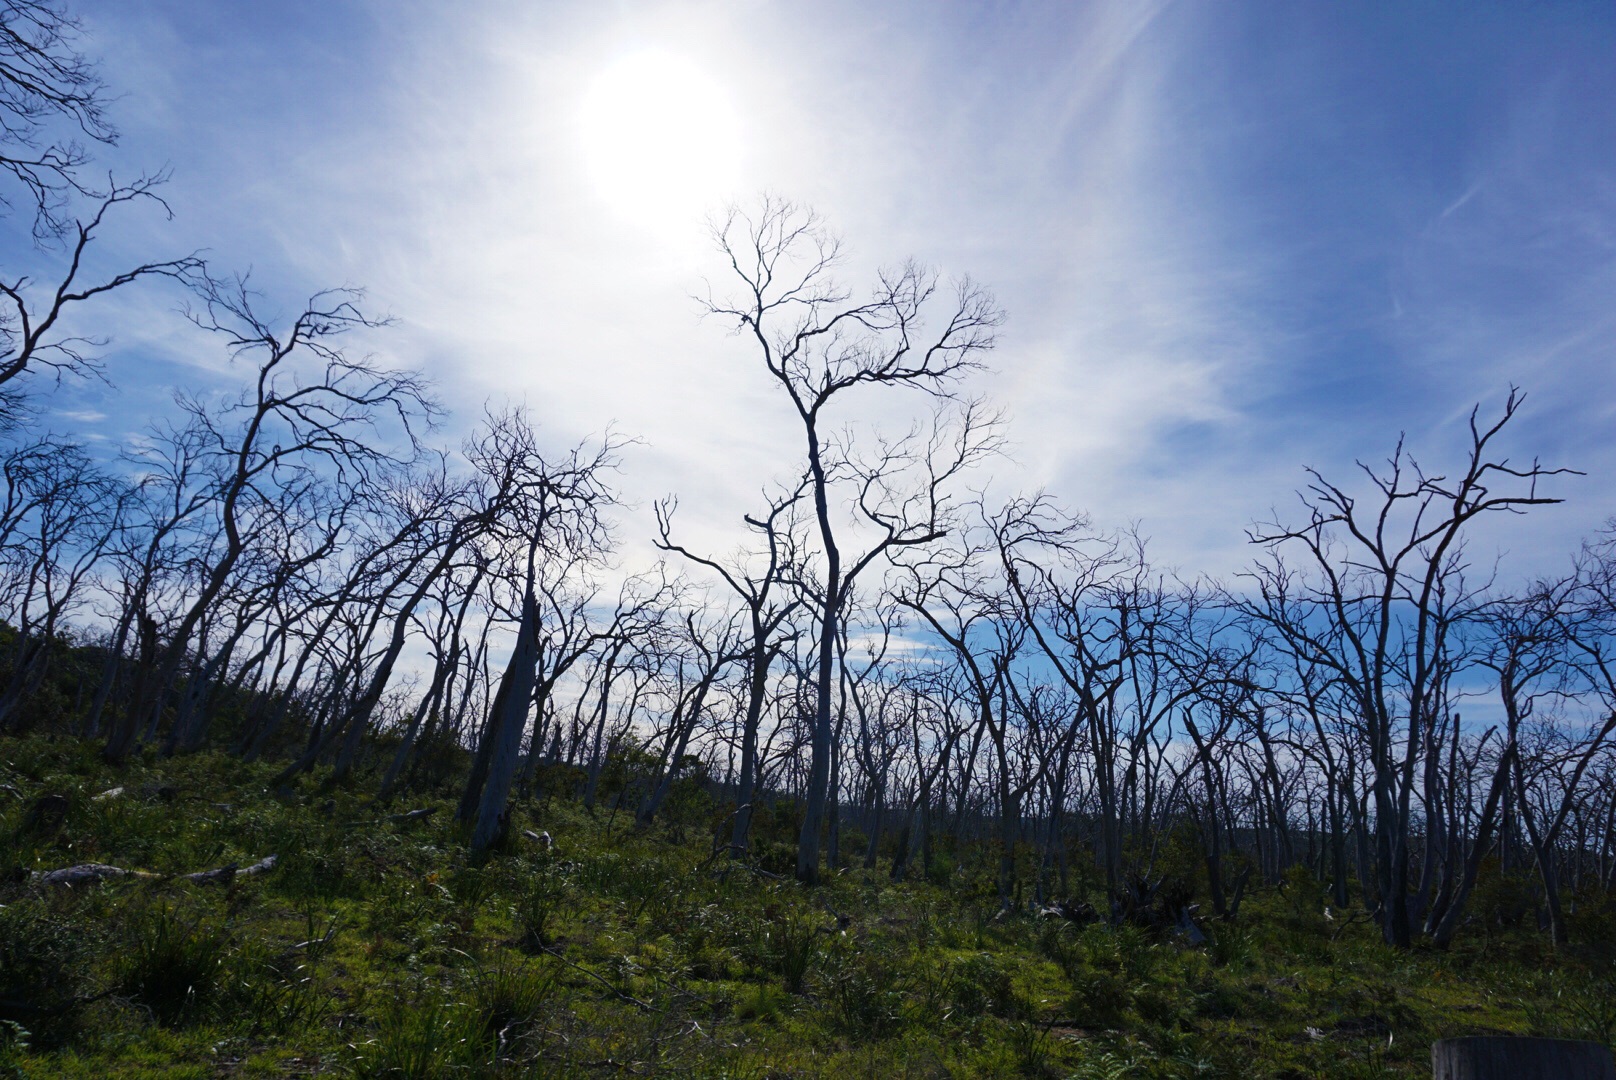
[(1502, 1058)]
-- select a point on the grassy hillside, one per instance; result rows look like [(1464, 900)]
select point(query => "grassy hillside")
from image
[(374, 949)]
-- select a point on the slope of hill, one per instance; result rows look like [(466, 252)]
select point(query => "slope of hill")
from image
[(374, 948)]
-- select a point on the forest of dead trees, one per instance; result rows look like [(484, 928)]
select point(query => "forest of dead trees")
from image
[(309, 571)]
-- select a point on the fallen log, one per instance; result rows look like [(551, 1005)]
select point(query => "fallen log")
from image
[(90, 873), (227, 874), (86, 874), (1080, 913), (414, 815)]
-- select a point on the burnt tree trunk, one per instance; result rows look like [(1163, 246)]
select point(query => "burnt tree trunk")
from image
[(1502, 1058)]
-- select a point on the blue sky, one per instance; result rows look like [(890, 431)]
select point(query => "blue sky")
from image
[(1233, 239)]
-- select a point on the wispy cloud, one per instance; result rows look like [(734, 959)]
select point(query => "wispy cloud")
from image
[(1231, 241)]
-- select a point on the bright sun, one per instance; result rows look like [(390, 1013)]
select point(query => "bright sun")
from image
[(660, 137)]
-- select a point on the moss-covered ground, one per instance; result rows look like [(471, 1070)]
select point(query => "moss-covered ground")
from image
[(377, 949)]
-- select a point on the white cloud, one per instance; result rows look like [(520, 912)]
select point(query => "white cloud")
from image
[(1068, 156)]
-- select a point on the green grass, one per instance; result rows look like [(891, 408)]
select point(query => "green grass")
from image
[(376, 949)]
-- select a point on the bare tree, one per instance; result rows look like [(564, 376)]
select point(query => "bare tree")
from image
[(311, 412), (552, 513), (1381, 613), (47, 85), (59, 516), (818, 344), (696, 651), (29, 331), (51, 93), (1073, 589), (955, 593), (755, 585)]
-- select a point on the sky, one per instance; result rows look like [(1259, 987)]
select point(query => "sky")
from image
[(1232, 239)]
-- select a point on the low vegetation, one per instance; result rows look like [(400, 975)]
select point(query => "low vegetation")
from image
[(377, 948)]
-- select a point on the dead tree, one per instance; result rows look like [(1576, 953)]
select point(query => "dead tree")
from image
[(1380, 608), (641, 606), (818, 345), (310, 410), (754, 581), (696, 654), (59, 516), (953, 592), (935, 730), (1076, 593), (446, 662), (50, 94), (556, 510), (31, 334)]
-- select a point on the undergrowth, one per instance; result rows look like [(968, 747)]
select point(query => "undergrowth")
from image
[(377, 949)]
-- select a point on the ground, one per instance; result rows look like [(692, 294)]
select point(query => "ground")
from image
[(378, 948)]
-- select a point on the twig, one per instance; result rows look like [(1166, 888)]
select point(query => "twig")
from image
[(631, 999), (1352, 920), (322, 941)]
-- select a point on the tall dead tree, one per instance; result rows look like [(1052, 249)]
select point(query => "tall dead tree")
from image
[(1379, 607), (51, 93), (552, 514), (955, 594), (311, 411), (818, 345), (1071, 588), (31, 337), (758, 583)]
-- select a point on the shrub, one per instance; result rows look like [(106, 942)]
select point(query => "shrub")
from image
[(865, 988), (761, 1002), (508, 999), (978, 984), (419, 1040), (1586, 1003), (791, 945), (13, 1048), (1057, 940), (1231, 947), (46, 944), (470, 886), (174, 966), (274, 992), (1501, 900), (538, 904)]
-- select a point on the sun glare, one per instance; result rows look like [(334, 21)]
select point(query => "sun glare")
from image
[(660, 137)]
